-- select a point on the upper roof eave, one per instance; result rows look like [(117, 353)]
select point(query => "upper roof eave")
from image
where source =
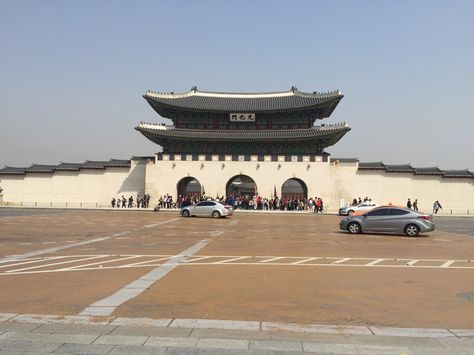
[(195, 92), (200, 101)]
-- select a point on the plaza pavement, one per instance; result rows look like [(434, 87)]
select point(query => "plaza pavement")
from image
[(37, 334), (42, 304)]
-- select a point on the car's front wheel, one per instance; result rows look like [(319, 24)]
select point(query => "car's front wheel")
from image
[(354, 228), (185, 213), (216, 214), (412, 230)]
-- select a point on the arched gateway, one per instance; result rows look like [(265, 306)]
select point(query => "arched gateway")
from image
[(294, 189), (189, 186), (241, 185)]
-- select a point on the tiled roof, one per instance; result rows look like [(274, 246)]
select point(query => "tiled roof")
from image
[(118, 163), (428, 171), (371, 165), (94, 164), (69, 167), (203, 101), (403, 168), (407, 168), (10, 170), (40, 168), (145, 157), (157, 132), (457, 174)]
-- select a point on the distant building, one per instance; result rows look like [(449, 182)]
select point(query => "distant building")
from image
[(240, 143)]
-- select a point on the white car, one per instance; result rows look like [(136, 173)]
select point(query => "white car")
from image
[(213, 209), (364, 206)]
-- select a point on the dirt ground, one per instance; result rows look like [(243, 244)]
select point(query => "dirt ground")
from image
[(269, 267)]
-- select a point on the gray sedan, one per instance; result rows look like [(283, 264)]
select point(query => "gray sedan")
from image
[(207, 209), (389, 219)]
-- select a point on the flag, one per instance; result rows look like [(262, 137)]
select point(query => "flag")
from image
[(275, 191), (203, 192)]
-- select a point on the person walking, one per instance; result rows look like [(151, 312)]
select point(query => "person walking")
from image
[(436, 207), (409, 203), (113, 202), (415, 205)]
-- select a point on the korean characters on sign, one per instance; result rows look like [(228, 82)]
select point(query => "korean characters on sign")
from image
[(242, 117)]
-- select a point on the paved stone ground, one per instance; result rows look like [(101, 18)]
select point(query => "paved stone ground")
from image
[(49, 335), (325, 292)]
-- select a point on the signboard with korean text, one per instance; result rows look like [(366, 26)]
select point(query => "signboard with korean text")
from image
[(242, 117)]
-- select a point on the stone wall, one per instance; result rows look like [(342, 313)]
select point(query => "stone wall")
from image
[(86, 187), (335, 182)]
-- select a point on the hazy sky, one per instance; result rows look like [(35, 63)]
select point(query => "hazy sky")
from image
[(72, 73)]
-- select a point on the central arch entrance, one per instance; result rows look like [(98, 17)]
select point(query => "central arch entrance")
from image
[(189, 186), (241, 185), (294, 189)]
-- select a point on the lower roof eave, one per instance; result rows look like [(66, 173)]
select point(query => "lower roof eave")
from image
[(332, 134)]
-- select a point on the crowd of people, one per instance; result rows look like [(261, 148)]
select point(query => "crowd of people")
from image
[(142, 201), (285, 203), (246, 202)]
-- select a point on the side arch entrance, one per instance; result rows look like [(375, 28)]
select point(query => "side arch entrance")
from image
[(189, 186), (294, 189), (241, 185)]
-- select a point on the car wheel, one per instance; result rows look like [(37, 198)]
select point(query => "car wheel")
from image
[(412, 230), (354, 228), (350, 212), (185, 213), (216, 214)]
